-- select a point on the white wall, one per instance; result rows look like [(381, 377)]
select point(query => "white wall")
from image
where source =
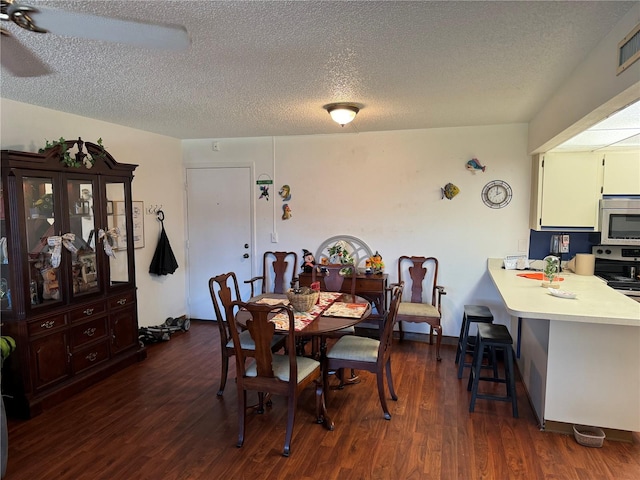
[(158, 181), (384, 188)]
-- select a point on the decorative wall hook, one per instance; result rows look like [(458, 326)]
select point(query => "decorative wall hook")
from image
[(153, 209)]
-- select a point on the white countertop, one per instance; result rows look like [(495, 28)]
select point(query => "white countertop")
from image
[(595, 302)]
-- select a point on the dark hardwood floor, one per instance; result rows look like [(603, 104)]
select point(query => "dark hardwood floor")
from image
[(161, 419)]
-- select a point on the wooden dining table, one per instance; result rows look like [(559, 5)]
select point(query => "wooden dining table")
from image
[(321, 324)]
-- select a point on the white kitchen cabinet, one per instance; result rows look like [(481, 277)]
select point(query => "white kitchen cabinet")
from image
[(565, 191), (621, 173)]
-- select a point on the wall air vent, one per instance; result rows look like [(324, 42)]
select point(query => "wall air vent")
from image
[(629, 50)]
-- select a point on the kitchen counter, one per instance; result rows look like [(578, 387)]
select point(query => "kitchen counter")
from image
[(595, 302), (579, 358)]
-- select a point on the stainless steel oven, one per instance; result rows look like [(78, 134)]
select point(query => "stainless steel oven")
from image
[(619, 266)]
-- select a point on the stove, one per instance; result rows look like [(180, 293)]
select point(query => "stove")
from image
[(619, 266)]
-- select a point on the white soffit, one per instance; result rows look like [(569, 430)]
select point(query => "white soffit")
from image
[(621, 130)]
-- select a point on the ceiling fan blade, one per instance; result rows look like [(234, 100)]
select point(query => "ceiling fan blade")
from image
[(150, 35), (19, 60)]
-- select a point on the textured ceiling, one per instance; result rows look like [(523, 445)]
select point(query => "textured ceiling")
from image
[(267, 68)]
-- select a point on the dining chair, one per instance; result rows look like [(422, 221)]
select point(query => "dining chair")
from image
[(279, 374), (333, 281), (224, 290), (364, 353), (278, 270), (421, 277)]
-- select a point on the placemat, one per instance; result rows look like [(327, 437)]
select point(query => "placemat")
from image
[(348, 310), (302, 319), (538, 276)]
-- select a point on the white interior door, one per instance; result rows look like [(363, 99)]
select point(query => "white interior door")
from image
[(219, 220)]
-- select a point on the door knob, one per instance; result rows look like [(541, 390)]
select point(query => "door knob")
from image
[(246, 255)]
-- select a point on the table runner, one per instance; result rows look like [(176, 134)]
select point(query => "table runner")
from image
[(301, 319)]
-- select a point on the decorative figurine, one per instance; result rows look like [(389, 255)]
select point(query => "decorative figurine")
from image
[(375, 263), (286, 212), (474, 165), (449, 191), (309, 261), (285, 193)]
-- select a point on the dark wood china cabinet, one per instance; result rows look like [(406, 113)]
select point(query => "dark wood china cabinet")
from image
[(68, 292)]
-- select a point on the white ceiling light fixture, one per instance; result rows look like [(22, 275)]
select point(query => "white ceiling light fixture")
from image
[(342, 113)]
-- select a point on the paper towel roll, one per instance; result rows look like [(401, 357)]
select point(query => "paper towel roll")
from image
[(585, 263)]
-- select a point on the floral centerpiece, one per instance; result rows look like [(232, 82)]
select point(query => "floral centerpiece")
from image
[(338, 253)]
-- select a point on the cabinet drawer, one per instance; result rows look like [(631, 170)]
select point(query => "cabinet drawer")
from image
[(44, 325), (87, 311), (120, 301), (90, 356), (88, 332)]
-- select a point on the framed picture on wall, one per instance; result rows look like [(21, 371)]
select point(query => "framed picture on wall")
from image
[(138, 224), (88, 268), (120, 221)]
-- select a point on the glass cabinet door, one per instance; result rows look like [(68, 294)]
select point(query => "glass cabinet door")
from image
[(82, 224), (5, 279), (117, 234), (42, 234)]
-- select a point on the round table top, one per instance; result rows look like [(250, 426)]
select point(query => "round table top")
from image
[(321, 324)]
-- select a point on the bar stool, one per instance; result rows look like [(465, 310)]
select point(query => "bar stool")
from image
[(472, 313), (493, 336)]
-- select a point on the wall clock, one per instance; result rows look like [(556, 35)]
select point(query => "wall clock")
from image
[(496, 194)]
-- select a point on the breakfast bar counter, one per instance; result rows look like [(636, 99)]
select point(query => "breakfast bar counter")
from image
[(579, 358)]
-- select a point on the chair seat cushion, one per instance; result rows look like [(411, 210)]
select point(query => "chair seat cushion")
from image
[(352, 347), (280, 365), (247, 343), (418, 310)]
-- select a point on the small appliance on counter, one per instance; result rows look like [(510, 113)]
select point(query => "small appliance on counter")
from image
[(558, 245), (619, 266)]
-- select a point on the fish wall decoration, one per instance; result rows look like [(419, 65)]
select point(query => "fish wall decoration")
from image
[(449, 191), (474, 165)]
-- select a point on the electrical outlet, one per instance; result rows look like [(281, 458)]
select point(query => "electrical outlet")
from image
[(564, 246), (274, 237)]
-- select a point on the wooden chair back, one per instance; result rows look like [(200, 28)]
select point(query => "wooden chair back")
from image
[(386, 338), (332, 278), (278, 270), (224, 290), (420, 275), (262, 331)]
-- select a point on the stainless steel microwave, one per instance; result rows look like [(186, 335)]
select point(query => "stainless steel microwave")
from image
[(620, 221)]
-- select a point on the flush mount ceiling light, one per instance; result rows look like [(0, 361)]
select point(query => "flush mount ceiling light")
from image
[(342, 113)]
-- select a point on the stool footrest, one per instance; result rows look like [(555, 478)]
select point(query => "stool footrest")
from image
[(493, 397)]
